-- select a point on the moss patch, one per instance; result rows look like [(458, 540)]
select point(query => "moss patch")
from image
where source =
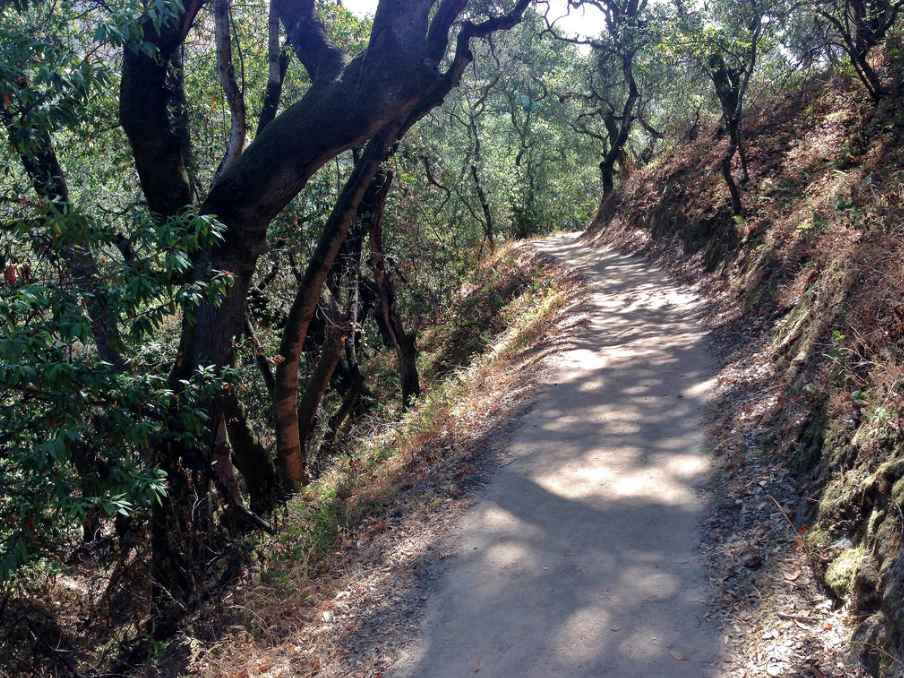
[(842, 572)]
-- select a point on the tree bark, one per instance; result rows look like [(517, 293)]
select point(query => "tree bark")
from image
[(349, 400), (737, 208), (404, 342), (278, 64), (234, 95), (376, 95), (151, 90), (729, 83), (619, 133), (289, 449), (336, 336), (250, 458), (488, 230)]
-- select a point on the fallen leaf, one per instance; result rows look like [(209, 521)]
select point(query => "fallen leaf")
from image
[(477, 668), (819, 674), (791, 575), (804, 529), (677, 655)]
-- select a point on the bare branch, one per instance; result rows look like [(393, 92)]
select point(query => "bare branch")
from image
[(463, 57), (278, 64), (234, 95), (308, 37)]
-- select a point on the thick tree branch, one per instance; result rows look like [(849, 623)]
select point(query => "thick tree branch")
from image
[(463, 56), (234, 95), (317, 52), (277, 65), (151, 90)]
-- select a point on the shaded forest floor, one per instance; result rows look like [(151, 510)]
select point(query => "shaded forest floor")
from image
[(325, 596)]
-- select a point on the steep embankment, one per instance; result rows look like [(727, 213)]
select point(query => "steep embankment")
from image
[(811, 287)]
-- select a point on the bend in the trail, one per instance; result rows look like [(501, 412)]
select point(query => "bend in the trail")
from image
[(579, 558)]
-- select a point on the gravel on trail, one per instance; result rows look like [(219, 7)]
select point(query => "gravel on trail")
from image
[(581, 556)]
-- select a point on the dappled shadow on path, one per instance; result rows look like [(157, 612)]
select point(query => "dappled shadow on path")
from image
[(579, 559)]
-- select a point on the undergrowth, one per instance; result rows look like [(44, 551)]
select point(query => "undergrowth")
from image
[(475, 366)]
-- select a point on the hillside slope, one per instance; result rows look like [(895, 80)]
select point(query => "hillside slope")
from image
[(811, 290)]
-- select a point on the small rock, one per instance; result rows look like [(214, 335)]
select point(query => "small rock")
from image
[(752, 561)]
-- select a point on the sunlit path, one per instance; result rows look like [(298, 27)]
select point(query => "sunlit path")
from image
[(579, 558)]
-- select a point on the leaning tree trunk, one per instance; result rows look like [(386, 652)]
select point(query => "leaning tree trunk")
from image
[(349, 400), (742, 153), (289, 450), (375, 95), (725, 165), (728, 83), (388, 308), (488, 229), (337, 332), (868, 75)]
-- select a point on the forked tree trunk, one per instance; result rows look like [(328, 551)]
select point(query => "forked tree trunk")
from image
[(375, 95), (387, 306), (289, 451)]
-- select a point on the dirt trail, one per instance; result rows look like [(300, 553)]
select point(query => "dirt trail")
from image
[(578, 559)]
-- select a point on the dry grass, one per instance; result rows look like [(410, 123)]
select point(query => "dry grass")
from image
[(808, 314), (344, 569)]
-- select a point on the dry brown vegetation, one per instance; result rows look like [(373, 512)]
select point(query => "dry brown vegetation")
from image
[(342, 579), (805, 539), (352, 550)]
